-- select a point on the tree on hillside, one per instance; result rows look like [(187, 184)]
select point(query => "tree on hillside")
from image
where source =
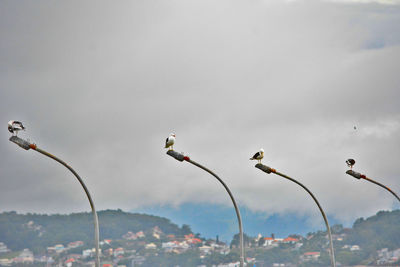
[(246, 240)]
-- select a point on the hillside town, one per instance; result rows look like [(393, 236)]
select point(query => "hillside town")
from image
[(76, 253), (133, 248)]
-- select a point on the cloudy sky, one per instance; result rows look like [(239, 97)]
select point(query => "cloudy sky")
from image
[(101, 85)]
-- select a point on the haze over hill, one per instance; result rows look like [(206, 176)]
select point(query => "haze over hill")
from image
[(211, 220)]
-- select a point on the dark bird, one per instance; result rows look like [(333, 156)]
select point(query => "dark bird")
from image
[(169, 143), (258, 156), (15, 126), (350, 163)]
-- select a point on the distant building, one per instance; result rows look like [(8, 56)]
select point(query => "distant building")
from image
[(118, 251), (205, 250), (290, 240), (194, 241), (268, 241), (6, 262), (107, 241), (41, 258), (140, 234), (108, 252), (257, 239), (87, 253), (3, 248), (175, 246), (51, 250), (132, 236), (170, 246), (232, 264), (75, 244), (151, 246), (189, 236), (311, 256), (157, 230), (69, 262), (59, 248), (251, 260), (388, 257), (352, 247), (129, 236), (26, 256), (338, 237)]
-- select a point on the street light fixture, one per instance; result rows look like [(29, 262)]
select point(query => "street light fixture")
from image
[(269, 170), (180, 157), (27, 145), (359, 176)]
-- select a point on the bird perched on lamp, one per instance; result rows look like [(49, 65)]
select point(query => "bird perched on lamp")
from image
[(350, 163), (169, 143), (258, 156), (15, 126)]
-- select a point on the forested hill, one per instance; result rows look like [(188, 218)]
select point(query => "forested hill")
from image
[(379, 231), (38, 231)]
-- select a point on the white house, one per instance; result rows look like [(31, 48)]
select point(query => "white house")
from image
[(205, 249), (268, 241), (87, 253), (3, 248), (151, 246)]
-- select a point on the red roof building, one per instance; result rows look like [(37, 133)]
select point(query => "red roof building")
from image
[(70, 260), (311, 255)]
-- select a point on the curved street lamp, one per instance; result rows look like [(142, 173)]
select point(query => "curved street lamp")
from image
[(268, 170), (181, 157), (359, 176), (26, 145)]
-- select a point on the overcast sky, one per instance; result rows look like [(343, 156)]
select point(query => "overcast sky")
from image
[(102, 84)]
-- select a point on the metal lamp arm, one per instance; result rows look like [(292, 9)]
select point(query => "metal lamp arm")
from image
[(180, 157), (271, 170), (27, 145)]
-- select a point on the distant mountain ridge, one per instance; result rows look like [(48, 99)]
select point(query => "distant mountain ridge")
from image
[(211, 220)]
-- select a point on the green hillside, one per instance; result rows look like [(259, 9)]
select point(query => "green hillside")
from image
[(38, 231), (353, 246), (376, 232)]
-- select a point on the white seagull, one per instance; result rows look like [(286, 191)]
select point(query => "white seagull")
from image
[(258, 156), (169, 143), (15, 126)]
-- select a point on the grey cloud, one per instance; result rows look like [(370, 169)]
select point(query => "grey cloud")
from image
[(102, 86)]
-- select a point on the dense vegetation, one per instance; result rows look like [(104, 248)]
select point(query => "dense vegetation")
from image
[(48, 230), (372, 234), (37, 231), (379, 231)]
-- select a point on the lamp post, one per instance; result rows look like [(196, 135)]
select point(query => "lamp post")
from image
[(269, 170), (27, 145), (359, 176), (181, 157)]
